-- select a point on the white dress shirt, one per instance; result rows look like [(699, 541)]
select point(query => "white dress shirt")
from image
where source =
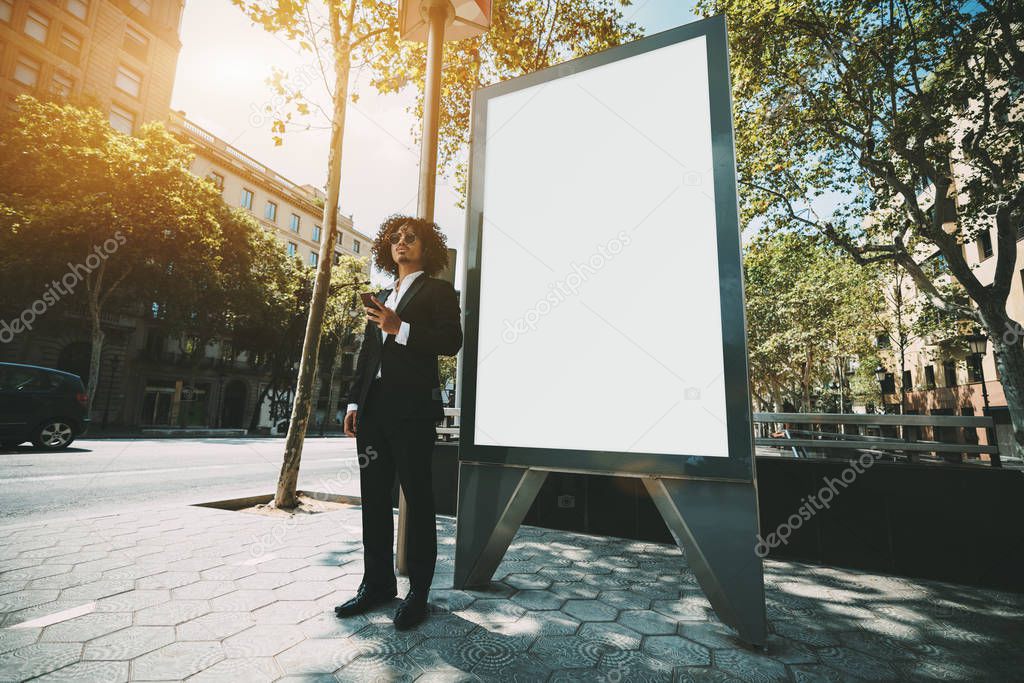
[(403, 330)]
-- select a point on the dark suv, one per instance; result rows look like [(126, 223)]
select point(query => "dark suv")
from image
[(44, 406)]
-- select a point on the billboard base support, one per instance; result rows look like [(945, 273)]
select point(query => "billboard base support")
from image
[(714, 523), (493, 500)]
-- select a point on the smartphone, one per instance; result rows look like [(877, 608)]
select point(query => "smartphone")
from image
[(369, 300)]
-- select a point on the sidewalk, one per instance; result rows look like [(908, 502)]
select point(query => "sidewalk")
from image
[(199, 594)]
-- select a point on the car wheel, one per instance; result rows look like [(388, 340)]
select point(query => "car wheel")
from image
[(54, 435)]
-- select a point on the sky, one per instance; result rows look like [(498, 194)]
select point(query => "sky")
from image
[(221, 85)]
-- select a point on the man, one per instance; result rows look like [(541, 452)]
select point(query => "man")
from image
[(394, 407)]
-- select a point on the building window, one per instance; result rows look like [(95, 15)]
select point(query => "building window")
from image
[(246, 199), (37, 25), (26, 71), (908, 382), (929, 377), (316, 233), (314, 258), (62, 84), (79, 8), (974, 368), (128, 81), (292, 249), (270, 212), (294, 223), (882, 340), (949, 370), (144, 6), (6, 10), (122, 119), (135, 43), (984, 244), (889, 384), (70, 46), (217, 179), (355, 246)]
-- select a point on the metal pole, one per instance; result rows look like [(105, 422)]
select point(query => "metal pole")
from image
[(989, 432), (438, 14)]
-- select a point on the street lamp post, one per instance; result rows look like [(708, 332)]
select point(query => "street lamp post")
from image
[(978, 344), (434, 22)]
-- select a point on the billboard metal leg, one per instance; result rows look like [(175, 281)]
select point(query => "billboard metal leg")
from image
[(493, 500), (715, 524)]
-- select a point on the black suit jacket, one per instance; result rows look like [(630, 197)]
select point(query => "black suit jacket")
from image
[(409, 376)]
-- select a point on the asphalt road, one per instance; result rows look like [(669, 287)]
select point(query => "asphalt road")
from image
[(97, 476)]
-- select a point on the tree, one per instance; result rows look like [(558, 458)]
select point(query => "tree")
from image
[(349, 28), (525, 36), (807, 306), (366, 32), (908, 111), (344, 318), (81, 203)]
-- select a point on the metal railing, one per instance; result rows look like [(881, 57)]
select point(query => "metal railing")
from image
[(803, 442), (797, 431)]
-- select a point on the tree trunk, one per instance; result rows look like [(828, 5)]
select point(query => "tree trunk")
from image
[(1009, 357), (288, 480), (97, 348)]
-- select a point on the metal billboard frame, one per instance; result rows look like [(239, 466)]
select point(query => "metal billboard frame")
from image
[(708, 503)]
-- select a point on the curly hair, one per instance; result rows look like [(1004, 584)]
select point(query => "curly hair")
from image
[(435, 244)]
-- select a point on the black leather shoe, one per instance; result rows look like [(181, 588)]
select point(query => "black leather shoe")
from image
[(366, 598), (412, 610)]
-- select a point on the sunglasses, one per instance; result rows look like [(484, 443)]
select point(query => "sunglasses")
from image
[(408, 237)]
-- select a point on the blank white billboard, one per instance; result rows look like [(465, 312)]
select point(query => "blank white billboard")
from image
[(599, 313)]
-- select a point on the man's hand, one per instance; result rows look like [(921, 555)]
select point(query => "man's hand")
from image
[(350, 422), (385, 317)]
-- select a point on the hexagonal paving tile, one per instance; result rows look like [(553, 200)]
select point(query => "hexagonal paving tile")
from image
[(303, 590), (490, 609), (129, 643), (108, 672), (37, 659), (214, 626), (177, 660), (286, 612), (263, 640), (376, 667), (647, 622), (537, 600), (590, 610), (245, 600), (631, 665), (171, 613), (252, 670), (86, 627), (133, 600), (614, 635), (676, 651), (202, 590), (320, 655), (568, 652)]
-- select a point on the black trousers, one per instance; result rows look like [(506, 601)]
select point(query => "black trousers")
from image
[(386, 445)]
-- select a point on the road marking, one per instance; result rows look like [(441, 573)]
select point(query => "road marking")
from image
[(118, 473), (58, 617)]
